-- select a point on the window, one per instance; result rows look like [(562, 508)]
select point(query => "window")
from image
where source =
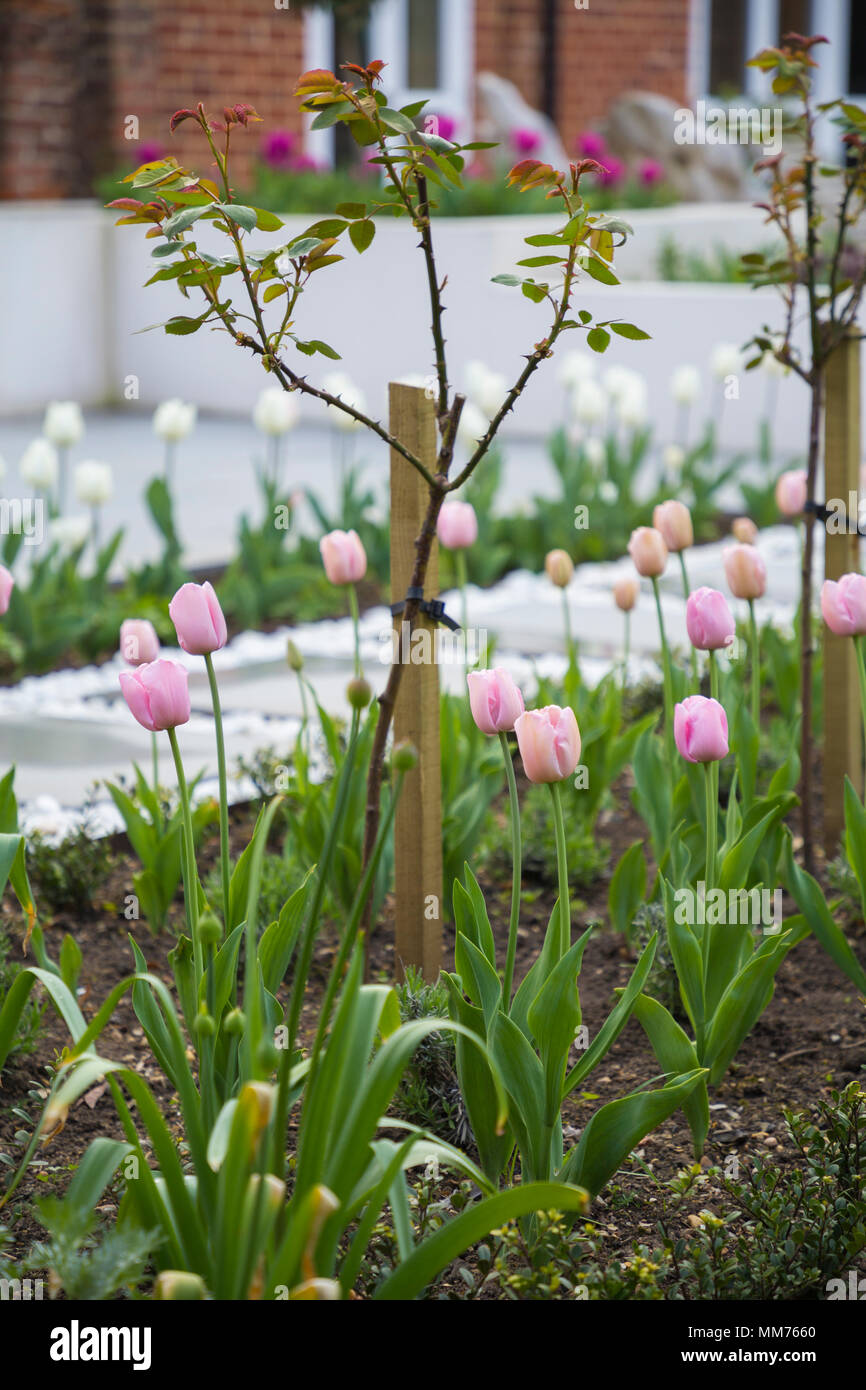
[(422, 43), (727, 46)]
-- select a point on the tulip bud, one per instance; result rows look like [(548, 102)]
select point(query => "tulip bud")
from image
[(404, 756), (7, 584), (359, 693), (209, 929), (343, 556), (294, 657), (203, 1025), (674, 520), (701, 730), (843, 605), (457, 525), (549, 743), (648, 551), (157, 694), (559, 568), (625, 592), (791, 492), (744, 530), (494, 700), (745, 571), (198, 619), (138, 641), (267, 1056), (234, 1022), (709, 620), (179, 1285)]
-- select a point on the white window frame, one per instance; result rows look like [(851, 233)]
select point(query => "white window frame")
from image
[(388, 40)]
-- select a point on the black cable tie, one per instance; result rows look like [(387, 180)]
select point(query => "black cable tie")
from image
[(434, 608)]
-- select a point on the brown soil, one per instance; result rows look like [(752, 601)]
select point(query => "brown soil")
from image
[(811, 1039)]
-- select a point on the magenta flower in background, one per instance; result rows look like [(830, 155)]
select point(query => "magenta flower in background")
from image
[(198, 619), (277, 148), (494, 700), (149, 151), (7, 584), (525, 141), (650, 172), (445, 126), (701, 730), (157, 694), (612, 171), (590, 144)]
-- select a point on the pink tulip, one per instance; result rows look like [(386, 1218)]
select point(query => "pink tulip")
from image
[(745, 571), (457, 525), (709, 620), (7, 584), (198, 619), (648, 551), (701, 730), (674, 520), (559, 568), (791, 492), (138, 641), (495, 700), (625, 592), (843, 605), (744, 530), (157, 694), (549, 743), (343, 556)]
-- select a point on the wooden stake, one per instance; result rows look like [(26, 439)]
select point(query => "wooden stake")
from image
[(843, 745), (418, 825)]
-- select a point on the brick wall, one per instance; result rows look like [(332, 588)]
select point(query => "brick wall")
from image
[(73, 71)]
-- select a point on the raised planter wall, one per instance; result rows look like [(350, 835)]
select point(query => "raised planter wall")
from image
[(74, 306)]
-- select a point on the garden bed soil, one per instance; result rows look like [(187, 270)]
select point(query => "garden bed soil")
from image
[(810, 1040)]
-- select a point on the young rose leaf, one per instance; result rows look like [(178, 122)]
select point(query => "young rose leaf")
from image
[(332, 114), (506, 280), (352, 211), (361, 234), (301, 247), (327, 227), (316, 345), (180, 325), (541, 260), (534, 292), (396, 120), (480, 145), (599, 271), (267, 221), (585, 316), (273, 292), (414, 108), (363, 132), (598, 339), (545, 239), (244, 217), (629, 330), (322, 261), (316, 80), (179, 221)]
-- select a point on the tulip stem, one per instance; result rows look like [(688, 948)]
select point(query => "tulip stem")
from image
[(861, 671), (712, 825), (756, 667), (569, 640), (626, 648), (686, 592), (356, 620), (154, 748), (562, 870), (714, 695), (516, 872), (668, 679), (460, 563), (190, 881), (225, 867)]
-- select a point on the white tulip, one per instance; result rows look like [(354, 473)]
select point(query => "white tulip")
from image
[(94, 483), (673, 458), (608, 492), (618, 381), (338, 384), (275, 411), (595, 452), (632, 407), (63, 424), (38, 465), (69, 532), (686, 385), (174, 420), (589, 402), (576, 367), (2, 467), (485, 388), (726, 360), (472, 427), (772, 366)]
